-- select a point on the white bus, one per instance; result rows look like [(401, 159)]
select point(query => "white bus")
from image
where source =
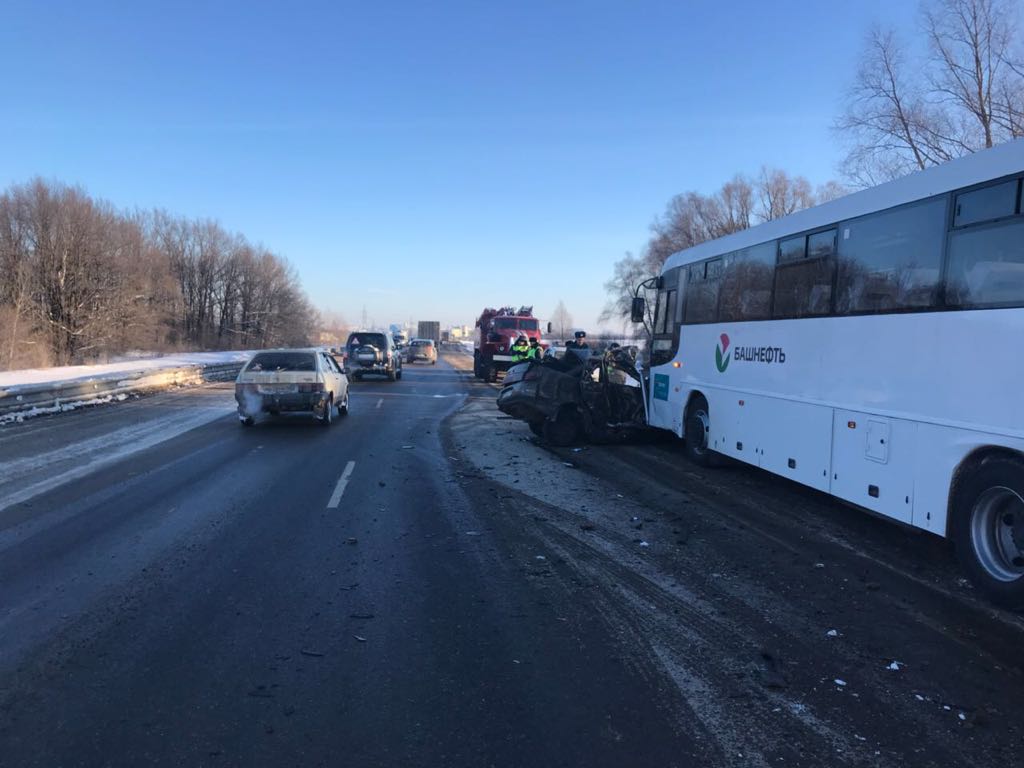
[(872, 348)]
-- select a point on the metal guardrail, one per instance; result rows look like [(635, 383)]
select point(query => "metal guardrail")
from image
[(51, 395)]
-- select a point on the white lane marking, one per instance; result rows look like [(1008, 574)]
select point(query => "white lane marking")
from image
[(380, 402), (339, 489)]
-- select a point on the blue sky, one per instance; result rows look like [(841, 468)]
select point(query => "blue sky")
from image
[(426, 159)]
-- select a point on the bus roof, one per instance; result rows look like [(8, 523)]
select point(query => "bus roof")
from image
[(1003, 160)]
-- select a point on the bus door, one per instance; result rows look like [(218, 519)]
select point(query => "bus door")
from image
[(664, 349)]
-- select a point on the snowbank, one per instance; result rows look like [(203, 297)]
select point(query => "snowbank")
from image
[(14, 379)]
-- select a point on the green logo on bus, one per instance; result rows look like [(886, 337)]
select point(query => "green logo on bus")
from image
[(721, 358)]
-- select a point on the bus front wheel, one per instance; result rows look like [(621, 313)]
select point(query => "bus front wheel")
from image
[(988, 528), (698, 429)]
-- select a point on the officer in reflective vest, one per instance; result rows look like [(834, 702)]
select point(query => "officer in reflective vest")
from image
[(520, 349), (536, 351)]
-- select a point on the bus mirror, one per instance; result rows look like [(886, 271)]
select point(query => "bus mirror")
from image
[(550, 327), (638, 309)]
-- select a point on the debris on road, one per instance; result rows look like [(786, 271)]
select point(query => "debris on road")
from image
[(360, 638), (895, 666), (644, 544), (314, 654), (832, 633), (840, 683), (587, 526), (351, 540)]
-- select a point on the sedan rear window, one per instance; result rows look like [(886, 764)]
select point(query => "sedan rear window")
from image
[(282, 361), (423, 343)]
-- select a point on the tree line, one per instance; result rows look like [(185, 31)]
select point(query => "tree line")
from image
[(82, 281), (963, 91)]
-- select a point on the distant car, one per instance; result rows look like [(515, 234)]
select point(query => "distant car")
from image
[(372, 352), (291, 380), (422, 349)]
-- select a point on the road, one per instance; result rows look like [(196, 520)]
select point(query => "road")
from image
[(423, 584)]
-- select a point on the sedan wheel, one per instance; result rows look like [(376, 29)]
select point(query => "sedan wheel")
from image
[(343, 408), (327, 417)]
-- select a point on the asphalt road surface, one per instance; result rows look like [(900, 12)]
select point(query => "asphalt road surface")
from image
[(423, 584)]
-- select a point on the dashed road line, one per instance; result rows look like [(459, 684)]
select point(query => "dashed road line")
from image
[(339, 489)]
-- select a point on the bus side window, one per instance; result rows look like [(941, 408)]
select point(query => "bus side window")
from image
[(891, 260), (702, 292), (986, 266), (746, 292), (803, 284), (986, 204)]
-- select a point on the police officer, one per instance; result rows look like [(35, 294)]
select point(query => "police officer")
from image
[(579, 342), (520, 350), (536, 351)]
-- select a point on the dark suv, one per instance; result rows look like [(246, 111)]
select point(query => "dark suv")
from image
[(374, 353)]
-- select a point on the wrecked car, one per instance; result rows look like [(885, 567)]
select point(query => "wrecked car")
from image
[(596, 397)]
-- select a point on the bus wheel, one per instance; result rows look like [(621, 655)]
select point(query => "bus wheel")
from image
[(698, 427), (988, 528)]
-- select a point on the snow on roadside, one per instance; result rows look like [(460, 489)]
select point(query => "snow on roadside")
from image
[(13, 379), (20, 416)]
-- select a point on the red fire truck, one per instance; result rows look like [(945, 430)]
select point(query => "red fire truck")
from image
[(496, 332)]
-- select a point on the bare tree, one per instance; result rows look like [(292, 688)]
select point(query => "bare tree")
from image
[(561, 320), (966, 94), (691, 218), (970, 43), (781, 194), (629, 272), (828, 191), (16, 269)]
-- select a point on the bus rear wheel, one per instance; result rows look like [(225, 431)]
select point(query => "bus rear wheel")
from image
[(698, 428), (988, 528)]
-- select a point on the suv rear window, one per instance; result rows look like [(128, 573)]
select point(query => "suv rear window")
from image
[(378, 340), (282, 361), (423, 343)]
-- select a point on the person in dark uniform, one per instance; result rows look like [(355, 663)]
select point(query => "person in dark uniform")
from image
[(579, 342)]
